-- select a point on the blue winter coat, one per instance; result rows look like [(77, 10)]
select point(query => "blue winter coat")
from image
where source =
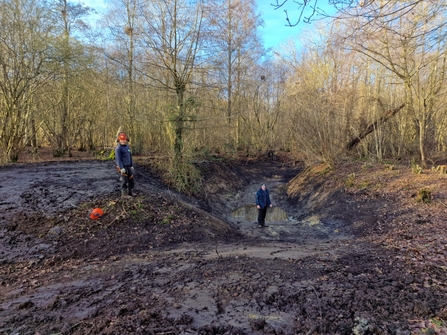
[(263, 198), (123, 156)]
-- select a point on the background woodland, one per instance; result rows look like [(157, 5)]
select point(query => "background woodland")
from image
[(190, 79)]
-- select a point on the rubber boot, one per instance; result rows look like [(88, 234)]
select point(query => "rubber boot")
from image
[(125, 194)]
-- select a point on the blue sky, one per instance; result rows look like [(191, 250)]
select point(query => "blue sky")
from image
[(274, 31)]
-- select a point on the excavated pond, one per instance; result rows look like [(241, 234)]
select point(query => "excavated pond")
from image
[(164, 263)]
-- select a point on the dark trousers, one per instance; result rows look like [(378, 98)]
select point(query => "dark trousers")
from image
[(127, 180), (261, 216)]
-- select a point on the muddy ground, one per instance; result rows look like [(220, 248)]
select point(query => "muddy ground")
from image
[(351, 251)]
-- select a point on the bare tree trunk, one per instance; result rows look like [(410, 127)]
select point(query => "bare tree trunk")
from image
[(179, 124)]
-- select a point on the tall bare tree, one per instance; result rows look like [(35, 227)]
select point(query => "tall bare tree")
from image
[(122, 21), (232, 31), (24, 55), (69, 58), (170, 31)]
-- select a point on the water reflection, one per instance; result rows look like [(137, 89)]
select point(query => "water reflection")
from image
[(250, 213)]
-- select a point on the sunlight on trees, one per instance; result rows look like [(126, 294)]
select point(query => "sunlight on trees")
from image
[(408, 45), (191, 80), (232, 35), (65, 117), (25, 55)]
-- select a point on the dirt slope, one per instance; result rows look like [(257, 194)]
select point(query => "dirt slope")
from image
[(355, 254)]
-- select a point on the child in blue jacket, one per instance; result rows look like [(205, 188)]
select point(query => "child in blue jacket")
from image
[(124, 164)]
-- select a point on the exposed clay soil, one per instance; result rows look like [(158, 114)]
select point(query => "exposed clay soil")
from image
[(350, 251)]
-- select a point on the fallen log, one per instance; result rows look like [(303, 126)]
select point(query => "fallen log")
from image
[(370, 128)]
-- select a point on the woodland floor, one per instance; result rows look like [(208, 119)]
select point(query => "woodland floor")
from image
[(350, 251)]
